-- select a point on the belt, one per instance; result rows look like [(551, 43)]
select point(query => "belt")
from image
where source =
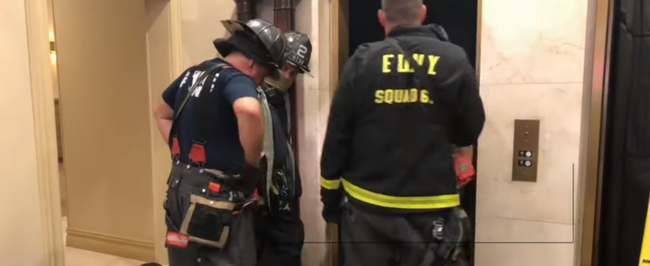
[(201, 178), (218, 174)]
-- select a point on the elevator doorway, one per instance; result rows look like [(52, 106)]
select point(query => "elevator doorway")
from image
[(355, 23), (626, 158)]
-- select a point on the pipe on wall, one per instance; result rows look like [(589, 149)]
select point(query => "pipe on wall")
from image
[(283, 18), (283, 14), (246, 9)]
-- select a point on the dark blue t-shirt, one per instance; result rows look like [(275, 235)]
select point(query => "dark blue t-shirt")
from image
[(223, 148)]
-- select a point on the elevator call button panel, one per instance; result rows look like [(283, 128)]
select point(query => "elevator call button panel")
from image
[(526, 151)]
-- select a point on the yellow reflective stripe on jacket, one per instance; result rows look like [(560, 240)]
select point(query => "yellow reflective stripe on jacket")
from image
[(401, 202), (330, 184)]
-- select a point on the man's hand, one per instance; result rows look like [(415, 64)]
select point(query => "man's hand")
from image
[(463, 164), (164, 116)]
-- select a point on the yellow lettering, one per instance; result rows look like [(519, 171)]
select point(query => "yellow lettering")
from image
[(433, 60), (403, 65), (389, 95), (379, 96), (424, 97), (407, 96), (419, 58), (399, 96), (402, 96), (386, 63), (414, 95)]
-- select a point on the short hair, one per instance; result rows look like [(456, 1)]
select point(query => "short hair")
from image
[(402, 11)]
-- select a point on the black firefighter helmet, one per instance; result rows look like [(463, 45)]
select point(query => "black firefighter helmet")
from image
[(256, 38), (298, 51)]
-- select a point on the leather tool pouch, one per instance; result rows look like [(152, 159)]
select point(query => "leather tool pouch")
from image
[(199, 213), (207, 221)]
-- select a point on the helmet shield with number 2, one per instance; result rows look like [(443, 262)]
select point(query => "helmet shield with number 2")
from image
[(297, 57), (298, 51)]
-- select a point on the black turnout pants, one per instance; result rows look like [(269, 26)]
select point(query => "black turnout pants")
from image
[(280, 237), (240, 248), (369, 238)]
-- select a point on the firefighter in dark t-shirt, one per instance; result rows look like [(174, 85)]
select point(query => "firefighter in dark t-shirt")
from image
[(212, 118)]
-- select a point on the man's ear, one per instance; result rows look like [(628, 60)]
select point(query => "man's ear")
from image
[(381, 16), (423, 14)]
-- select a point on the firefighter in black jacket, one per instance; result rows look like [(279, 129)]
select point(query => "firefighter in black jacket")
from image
[(279, 228), (387, 168)]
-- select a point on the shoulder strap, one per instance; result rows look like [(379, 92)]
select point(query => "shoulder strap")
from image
[(287, 107), (291, 173), (269, 151), (173, 135), (197, 151), (420, 73)]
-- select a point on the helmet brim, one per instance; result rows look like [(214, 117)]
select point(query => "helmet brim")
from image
[(302, 69), (233, 26), (224, 46)]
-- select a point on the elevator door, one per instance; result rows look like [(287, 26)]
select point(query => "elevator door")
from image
[(459, 18), (626, 178)]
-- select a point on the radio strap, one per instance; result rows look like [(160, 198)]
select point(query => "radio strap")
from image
[(291, 159), (269, 151)]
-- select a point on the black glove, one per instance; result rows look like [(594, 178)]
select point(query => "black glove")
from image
[(332, 210), (247, 178)]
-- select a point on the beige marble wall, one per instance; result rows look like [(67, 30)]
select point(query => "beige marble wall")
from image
[(531, 67), (313, 109), (200, 25)]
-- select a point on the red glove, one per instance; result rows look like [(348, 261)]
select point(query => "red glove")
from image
[(464, 170)]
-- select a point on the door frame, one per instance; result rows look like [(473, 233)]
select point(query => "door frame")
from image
[(42, 88), (600, 15), (338, 27)]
